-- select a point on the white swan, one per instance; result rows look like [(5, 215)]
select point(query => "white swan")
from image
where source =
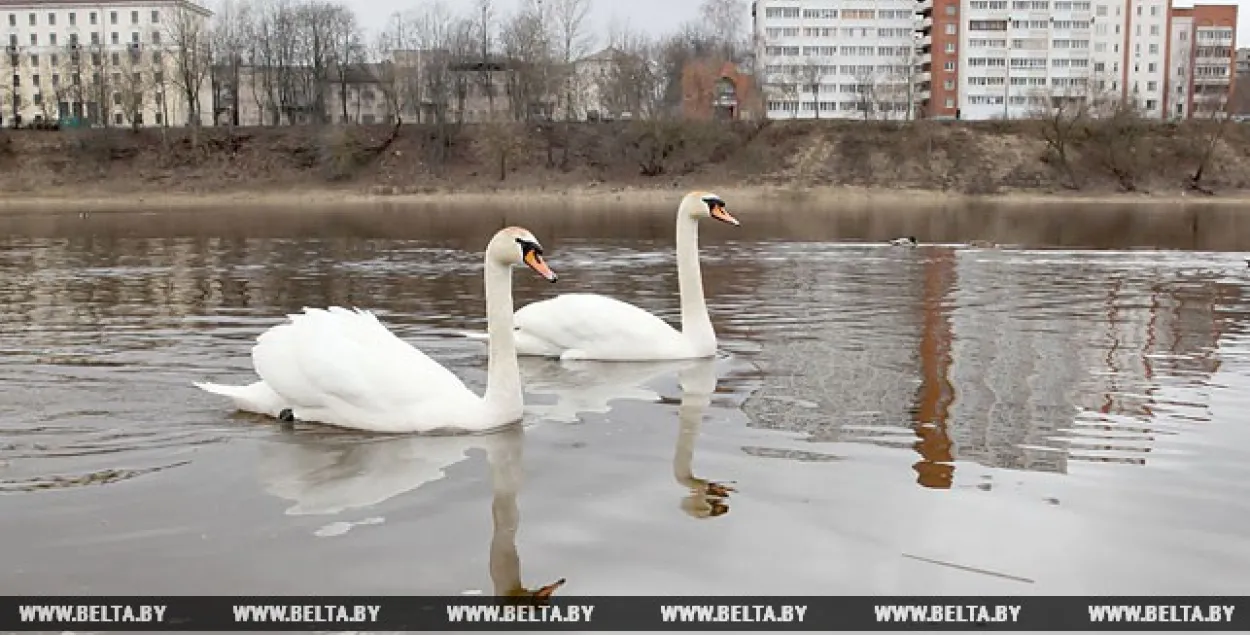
[(587, 326), (324, 475), (344, 368)]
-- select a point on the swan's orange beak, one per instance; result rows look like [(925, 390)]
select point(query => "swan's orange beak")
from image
[(721, 214), (536, 262)]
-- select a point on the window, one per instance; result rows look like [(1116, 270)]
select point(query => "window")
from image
[(92, 18), (12, 19), (950, 9), (117, 118), (73, 19), (117, 99), (950, 47), (73, 39), (34, 39), (949, 84), (31, 19), (56, 80), (156, 17), (134, 37), (1152, 67), (52, 39), (95, 59), (156, 58), (1154, 28), (1139, 9), (95, 37), (34, 60), (1154, 49), (134, 17), (51, 19), (116, 59), (112, 17), (158, 78), (950, 28), (160, 120), (156, 37), (1152, 104), (949, 67), (1154, 10), (1152, 86), (1101, 11), (115, 38), (950, 103), (34, 80)]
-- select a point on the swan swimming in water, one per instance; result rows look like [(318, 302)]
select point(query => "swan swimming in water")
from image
[(906, 241), (343, 367), (588, 326)]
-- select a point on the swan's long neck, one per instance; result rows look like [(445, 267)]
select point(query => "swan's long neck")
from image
[(503, 374), (696, 325)]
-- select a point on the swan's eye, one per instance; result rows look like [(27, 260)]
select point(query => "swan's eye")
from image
[(529, 245), (713, 202)]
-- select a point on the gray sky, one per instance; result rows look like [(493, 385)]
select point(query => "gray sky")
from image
[(654, 16)]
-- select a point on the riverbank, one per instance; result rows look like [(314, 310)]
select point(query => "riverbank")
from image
[(817, 197), (816, 163)]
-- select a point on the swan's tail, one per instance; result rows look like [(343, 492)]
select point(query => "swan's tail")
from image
[(257, 397), (476, 335)]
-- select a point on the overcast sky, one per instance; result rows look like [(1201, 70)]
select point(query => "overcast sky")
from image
[(655, 16)]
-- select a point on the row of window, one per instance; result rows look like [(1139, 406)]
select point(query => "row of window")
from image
[(860, 106), (32, 19), (846, 14), (830, 51), (158, 78), (97, 59), (830, 32), (795, 70), (119, 118), (95, 39)]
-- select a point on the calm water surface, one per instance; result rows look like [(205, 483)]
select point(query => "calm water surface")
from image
[(1041, 419)]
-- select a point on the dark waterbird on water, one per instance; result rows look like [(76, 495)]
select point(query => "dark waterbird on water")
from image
[(906, 241)]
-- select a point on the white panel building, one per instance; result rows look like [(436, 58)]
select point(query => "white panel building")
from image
[(99, 62), (837, 58)]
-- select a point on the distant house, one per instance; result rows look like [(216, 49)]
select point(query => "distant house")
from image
[(719, 90)]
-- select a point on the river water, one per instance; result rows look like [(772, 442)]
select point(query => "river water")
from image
[(1065, 414)]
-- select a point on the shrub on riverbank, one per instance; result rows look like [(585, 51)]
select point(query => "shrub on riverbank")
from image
[(969, 157)]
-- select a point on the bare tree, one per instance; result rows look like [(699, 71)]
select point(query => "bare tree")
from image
[(397, 70), (809, 76), (1211, 117), (527, 46), (1240, 103), (188, 34), (229, 43), (10, 93), (131, 94), (348, 54), (484, 28), (1061, 118), (725, 20), (572, 42), (631, 80), (868, 92)]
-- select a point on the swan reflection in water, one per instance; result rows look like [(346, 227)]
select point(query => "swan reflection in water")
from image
[(325, 473), (707, 499), (582, 387)]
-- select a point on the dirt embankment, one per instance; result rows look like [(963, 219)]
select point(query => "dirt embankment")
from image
[(960, 158)]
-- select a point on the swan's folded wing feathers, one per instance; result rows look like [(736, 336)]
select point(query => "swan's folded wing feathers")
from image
[(339, 355), (591, 321)]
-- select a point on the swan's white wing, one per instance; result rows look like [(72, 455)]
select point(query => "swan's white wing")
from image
[(592, 326), (346, 366)]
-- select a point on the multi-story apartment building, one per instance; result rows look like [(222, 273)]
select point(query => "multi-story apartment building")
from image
[(1202, 60), (1243, 61), (837, 58), (101, 62), (988, 59)]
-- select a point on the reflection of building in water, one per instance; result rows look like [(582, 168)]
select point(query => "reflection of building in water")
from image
[(1027, 357), (839, 357)]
